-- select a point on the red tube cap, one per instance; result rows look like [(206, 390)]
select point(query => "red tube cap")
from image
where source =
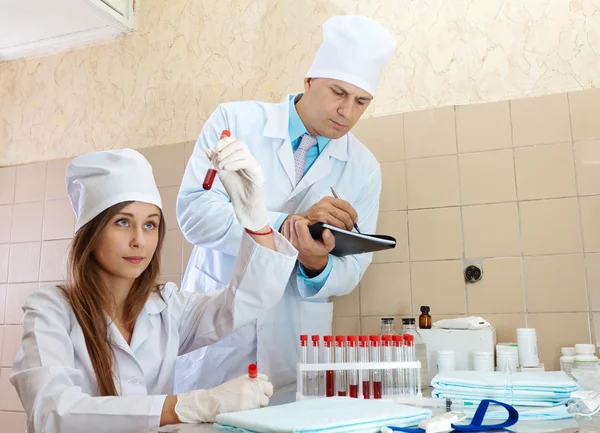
[(386, 337), (225, 133), (328, 338), (314, 338), (304, 337), (252, 371)]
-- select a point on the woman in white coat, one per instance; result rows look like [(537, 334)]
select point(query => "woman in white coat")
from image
[(98, 354)]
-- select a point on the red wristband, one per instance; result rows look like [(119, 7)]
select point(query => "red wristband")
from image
[(250, 232)]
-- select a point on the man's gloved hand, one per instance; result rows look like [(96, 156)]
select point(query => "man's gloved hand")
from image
[(243, 179), (238, 394)]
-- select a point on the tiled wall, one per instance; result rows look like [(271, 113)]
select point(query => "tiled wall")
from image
[(515, 184)]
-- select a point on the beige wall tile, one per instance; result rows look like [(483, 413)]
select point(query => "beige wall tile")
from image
[(2, 302), (13, 421), (16, 295), (440, 285), (555, 283), (9, 400), (27, 226), (590, 215), (540, 120), (585, 106), (346, 326), (500, 289), (54, 260), (545, 172), (348, 305), (491, 230), (371, 325), (435, 234), (4, 259), (393, 191), (506, 325), (595, 329), (430, 133), (393, 224), (487, 177), (385, 290), (187, 252), (552, 334), (593, 279), (432, 182), (59, 220), (55, 179), (8, 177), (550, 227), (169, 201), (5, 223), (384, 136), (167, 163), (482, 127), (24, 262), (12, 343), (31, 181), (189, 150), (587, 162), (172, 253)]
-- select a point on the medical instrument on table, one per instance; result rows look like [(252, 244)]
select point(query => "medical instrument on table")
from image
[(567, 360), (252, 371), (304, 359), (408, 327), (388, 376), (375, 374), (351, 356), (445, 361), (316, 380), (212, 172), (528, 350), (483, 361), (585, 356), (363, 357), (463, 323), (425, 318), (328, 359), (340, 358), (337, 196)]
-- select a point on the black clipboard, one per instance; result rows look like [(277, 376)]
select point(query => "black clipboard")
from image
[(350, 243)]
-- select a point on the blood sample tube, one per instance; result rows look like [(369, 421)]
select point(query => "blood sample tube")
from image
[(304, 360), (211, 172), (363, 356), (252, 371), (397, 357), (388, 376), (340, 357), (352, 374), (375, 374), (409, 352), (328, 358), (315, 378)]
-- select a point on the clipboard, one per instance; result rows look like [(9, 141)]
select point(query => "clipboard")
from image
[(350, 243)]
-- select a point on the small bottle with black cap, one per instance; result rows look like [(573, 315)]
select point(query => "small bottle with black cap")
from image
[(425, 318)]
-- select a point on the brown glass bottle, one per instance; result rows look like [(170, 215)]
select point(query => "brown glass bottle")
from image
[(425, 318)]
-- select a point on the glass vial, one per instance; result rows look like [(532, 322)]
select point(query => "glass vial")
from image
[(425, 318)]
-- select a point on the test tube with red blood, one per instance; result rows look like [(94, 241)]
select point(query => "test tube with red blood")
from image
[(352, 374), (363, 356), (340, 357), (252, 371), (211, 172), (328, 358), (376, 374)]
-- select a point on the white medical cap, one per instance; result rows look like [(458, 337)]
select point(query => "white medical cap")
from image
[(355, 49), (97, 181)]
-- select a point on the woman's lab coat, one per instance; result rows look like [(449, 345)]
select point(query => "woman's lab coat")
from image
[(53, 373), (207, 221)]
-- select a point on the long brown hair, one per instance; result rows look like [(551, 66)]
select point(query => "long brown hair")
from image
[(89, 295)]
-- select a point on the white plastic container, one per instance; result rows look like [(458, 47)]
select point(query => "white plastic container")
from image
[(585, 356), (538, 368), (446, 361), (506, 360), (528, 349), (567, 359), (483, 361)]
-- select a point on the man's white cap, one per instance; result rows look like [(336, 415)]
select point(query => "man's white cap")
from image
[(355, 49), (97, 181)]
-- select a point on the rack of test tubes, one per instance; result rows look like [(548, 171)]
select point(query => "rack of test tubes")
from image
[(368, 367)]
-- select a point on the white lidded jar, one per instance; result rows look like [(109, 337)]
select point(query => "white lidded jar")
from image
[(585, 356), (567, 359), (528, 349), (507, 352), (483, 361), (446, 361)]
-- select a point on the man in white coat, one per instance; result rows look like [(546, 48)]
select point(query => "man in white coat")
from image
[(305, 147)]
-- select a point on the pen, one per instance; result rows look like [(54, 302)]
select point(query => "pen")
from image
[(337, 196)]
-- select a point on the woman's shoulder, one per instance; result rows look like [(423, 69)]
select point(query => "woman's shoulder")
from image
[(49, 300)]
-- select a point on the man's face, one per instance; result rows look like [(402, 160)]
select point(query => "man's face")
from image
[(332, 106)]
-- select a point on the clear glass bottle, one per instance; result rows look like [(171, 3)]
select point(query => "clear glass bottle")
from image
[(567, 360), (425, 318), (387, 327), (408, 327)]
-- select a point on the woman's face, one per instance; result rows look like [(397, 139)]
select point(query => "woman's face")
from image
[(128, 242)]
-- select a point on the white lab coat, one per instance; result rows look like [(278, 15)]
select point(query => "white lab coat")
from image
[(206, 219), (53, 373)]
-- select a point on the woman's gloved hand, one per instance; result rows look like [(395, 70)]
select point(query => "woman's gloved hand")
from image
[(238, 394), (243, 179)]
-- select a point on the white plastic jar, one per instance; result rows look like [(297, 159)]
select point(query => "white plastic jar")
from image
[(585, 356), (567, 359), (446, 361), (483, 361), (528, 349)]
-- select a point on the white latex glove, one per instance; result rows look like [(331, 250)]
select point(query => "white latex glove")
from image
[(243, 179), (238, 394)]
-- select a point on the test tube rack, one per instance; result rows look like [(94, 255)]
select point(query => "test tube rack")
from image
[(360, 368)]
